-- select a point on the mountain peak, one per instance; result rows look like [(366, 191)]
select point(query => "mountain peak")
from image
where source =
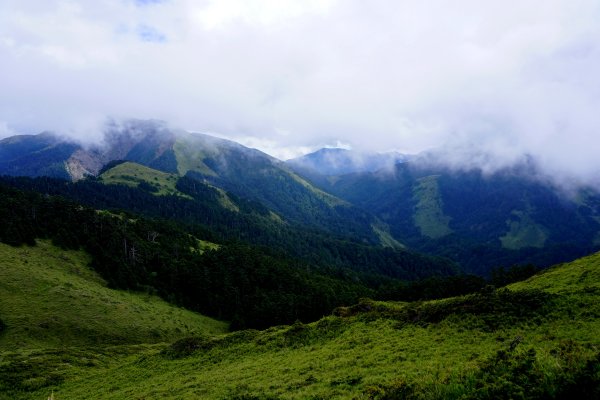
[(340, 161)]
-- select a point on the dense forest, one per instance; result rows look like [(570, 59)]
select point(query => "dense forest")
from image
[(203, 216), (250, 285)]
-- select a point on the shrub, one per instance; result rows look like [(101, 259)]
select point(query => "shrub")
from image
[(185, 347)]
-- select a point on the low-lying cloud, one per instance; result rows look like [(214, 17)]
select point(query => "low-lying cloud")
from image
[(477, 77)]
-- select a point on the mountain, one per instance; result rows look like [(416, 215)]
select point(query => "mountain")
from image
[(338, 161), (44, 155), (478, 219), (223, 164)]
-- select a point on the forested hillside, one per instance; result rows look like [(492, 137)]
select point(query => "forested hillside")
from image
[(480, 220), (203, 214)]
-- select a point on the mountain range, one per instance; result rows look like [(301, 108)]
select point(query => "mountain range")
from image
[(479, 220)]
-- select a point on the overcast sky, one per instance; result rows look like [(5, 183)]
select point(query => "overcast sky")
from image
[(506, 77)]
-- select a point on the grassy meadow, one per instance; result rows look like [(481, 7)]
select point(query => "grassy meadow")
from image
[(132, 174)]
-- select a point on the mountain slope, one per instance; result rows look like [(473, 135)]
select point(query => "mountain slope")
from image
[(252, 174), (36, 155), (136, 175), (535, 340), (480, 220)]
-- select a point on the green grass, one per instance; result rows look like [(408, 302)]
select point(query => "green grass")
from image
[(579, 276), (429, 214), (203, 245), (327, 198), (523, 232), (539, 335), (50, 298), (132, 174), (190, 151), (385, 237)]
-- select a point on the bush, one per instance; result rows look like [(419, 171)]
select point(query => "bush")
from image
[(493, 309), (512, 374), (185, 347)]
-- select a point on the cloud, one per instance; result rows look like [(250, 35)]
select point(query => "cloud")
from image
[(149, 34), (506, 79), (142, 3)]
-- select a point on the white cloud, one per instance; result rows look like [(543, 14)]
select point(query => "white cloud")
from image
[(5, 130), (408, 75)]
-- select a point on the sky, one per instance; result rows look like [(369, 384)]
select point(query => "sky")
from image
[(471, 77)]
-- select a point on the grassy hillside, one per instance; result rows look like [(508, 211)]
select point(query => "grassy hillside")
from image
[(50, 298), (429, 211), (537, 339), (132, 174)]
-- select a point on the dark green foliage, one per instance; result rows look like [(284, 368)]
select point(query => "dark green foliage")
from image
[(512, 374), (147, 187), (206, 218), (584, 382), (503, 276), (440, 287), (185, 347), (431, 288), (251, 396), (2, 326), (493, 309), (23, 375), (399, 390), (110, 165), (188, 346)]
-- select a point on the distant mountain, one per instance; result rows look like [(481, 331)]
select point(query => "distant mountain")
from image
[(242, 171), (43, 155), (338, 161), (480, 220)]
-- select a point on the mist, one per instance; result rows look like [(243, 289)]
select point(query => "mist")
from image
[(473, 78)]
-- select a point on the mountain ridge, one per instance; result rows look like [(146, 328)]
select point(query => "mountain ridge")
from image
[(476, 217)]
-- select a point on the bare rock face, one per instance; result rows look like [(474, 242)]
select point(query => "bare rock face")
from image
[(83, 163)]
